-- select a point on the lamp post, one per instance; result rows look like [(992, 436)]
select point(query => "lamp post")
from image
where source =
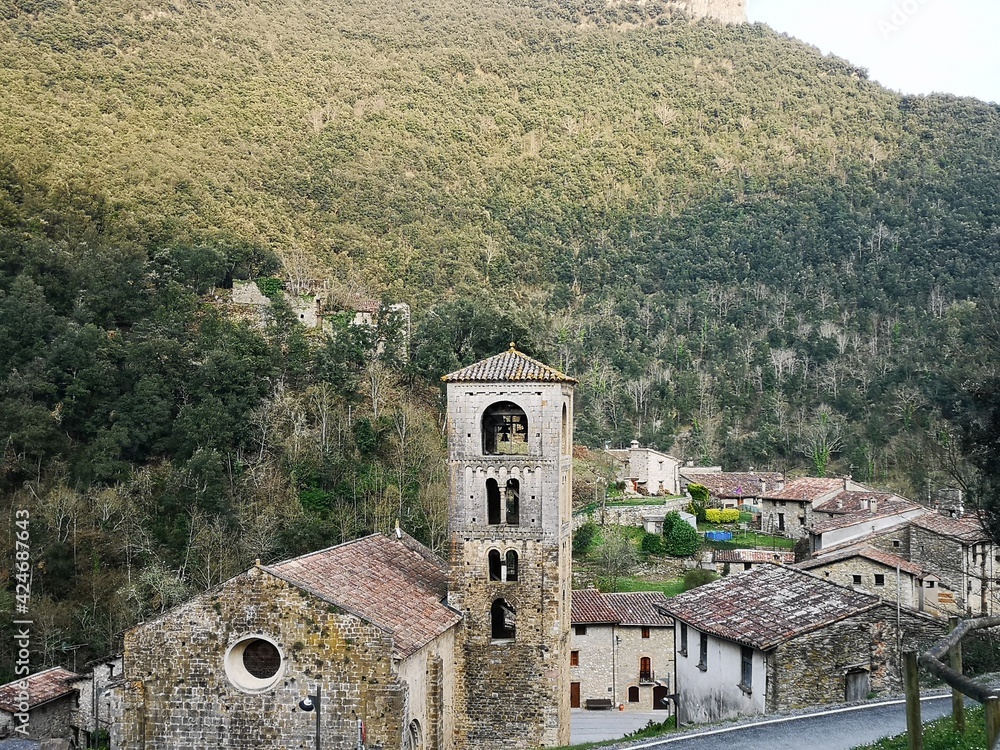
[(312, 703)]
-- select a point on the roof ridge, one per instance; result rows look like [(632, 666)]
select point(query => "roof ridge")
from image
[(502, 367)]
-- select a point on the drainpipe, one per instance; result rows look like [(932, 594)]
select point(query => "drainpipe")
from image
[(614, 667)]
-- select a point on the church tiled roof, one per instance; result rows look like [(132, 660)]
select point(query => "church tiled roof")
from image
[(396, 584), (511, 366)]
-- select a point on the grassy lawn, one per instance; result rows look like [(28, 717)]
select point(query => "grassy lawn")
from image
[(669, 588), (938, 735)]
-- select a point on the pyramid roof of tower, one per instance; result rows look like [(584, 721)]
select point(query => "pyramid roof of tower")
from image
[(510, 366)]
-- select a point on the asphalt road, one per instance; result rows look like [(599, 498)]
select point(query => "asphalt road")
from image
[(838, 729)]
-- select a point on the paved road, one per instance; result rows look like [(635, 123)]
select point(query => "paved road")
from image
[(837, 729)]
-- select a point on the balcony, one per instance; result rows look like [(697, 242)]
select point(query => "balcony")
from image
[(647, 677)]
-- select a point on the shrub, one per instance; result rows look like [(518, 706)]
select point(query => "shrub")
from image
[(699, 500), (583, 538), (698, 577), (653, 544), (269, 286), (683, 540), (722, 515)]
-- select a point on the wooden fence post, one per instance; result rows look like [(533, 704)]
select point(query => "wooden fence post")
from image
[(957, 697), (992, 722), (911, 684)]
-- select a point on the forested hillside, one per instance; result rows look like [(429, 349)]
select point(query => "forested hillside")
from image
[(747, 252)]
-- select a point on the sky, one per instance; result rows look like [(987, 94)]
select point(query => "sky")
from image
[(911, 46)]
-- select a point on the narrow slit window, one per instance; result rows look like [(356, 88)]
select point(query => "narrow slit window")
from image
[(513, 497), (493, 510)]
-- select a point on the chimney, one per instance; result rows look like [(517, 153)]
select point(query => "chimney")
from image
[(635, 444), (873, 504), (847, 481)]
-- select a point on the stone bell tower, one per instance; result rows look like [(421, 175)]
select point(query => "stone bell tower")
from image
[(510, 457)]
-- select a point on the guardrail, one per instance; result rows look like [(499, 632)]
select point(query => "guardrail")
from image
[(951, 673)]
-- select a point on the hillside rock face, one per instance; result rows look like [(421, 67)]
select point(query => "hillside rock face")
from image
[(727, 11)]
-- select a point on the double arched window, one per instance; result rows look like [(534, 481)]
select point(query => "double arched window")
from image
[(503, 507), (503, 567)]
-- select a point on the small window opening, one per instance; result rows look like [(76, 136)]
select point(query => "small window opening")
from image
[(503, 621), (633, 695), (703, 652), (580, 630), (645, 631), (856, 578), (746, 668), (879, 579), (496, 566), (683, 649), (493, 513), (505, 430), (747, 566), (574, 658), (511, 572), (513, 494)]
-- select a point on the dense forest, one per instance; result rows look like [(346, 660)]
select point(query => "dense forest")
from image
[(747, 252)]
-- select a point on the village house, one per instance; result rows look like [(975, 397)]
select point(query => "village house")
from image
[(621, 652), (647, 471), (50, 701), (734, 560), (733, 489), (777, 638), (886, 575), (958, 550), (850, 515), (787, 510)]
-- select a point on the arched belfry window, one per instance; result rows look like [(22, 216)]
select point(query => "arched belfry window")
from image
[(513, 497), (494, 512), (496, 565), (503, 621), (511, 560), (505, 430)]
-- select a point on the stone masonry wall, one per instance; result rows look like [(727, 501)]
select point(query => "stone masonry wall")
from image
[(810, 669), (179, 696)]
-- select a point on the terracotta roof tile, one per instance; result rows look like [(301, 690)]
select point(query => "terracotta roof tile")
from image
[(870, 553), (767, 606), (639, 608), (590, 607), (806, 489), (731, 484), (966, 528), (42, 687), (850, 508), (397, 584), (510, 366)]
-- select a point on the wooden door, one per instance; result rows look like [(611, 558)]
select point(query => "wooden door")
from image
[(574, 695), (660, 702), (857, 685)]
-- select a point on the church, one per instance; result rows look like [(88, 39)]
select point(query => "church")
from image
[(379, 643)]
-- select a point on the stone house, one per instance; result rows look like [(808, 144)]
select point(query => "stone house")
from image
[(49, 700), (621, 651), (648, 471), (777, 638), (734, 560), (958, 550), (787, 510), (733, 489), (886, 575)]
